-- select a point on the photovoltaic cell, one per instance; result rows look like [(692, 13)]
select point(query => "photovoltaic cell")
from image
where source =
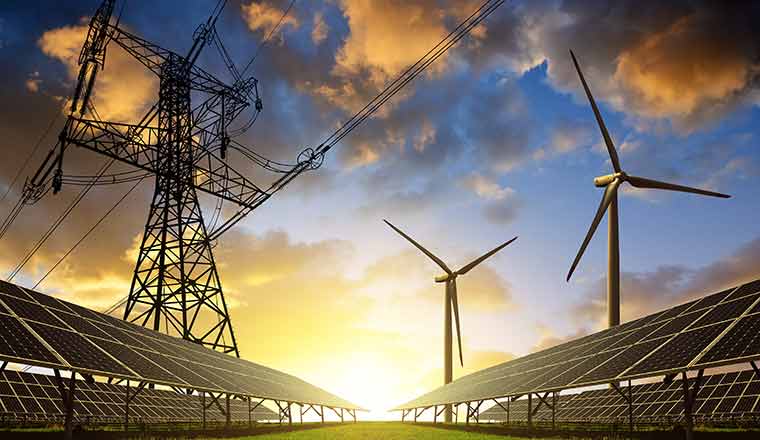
[(680, 350), (726, 311), (742, 340), (78, 351), (29, 310), (747, 289), (18, 343), (12, 290)]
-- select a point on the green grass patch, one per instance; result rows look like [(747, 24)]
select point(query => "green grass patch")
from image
[(380, 431)]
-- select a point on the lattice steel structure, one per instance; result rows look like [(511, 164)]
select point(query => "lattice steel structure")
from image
[(175, 284)]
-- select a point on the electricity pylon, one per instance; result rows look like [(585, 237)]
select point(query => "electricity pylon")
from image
[(175, 282)]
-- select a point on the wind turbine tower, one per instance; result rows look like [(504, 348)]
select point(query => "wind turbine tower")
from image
[(611, 183), (451, 302)]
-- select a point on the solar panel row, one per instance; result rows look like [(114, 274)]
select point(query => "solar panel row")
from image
[(40, 330), (733, 395), (26, 396), (718, 329)]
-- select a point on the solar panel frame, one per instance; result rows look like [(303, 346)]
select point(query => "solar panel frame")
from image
[(721, 395), (224, 374), (504, 379), (104, 402)]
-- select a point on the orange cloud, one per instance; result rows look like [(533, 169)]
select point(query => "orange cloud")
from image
[(124, 88), (675, 72), (319, 32), (265, 17)]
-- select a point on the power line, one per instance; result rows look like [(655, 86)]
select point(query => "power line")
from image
[(57, 223), (412, 72), (31, 154), (87, 234), (266, 40), (16, 209)]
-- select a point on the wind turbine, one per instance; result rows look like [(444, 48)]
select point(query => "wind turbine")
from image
[(611, 183), (450, 302)]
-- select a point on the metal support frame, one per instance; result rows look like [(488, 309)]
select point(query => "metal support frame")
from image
[(305, 408), (3, 365), (67, 396), (227, 414), (554, 410), (251, 409), (203, 408), (437, 413), (456, 413), (689, 397), (322, 412), (530, 410), (752, 363), (339, 414), (284, 411), (473, 411), (629, 400), (128, 399)]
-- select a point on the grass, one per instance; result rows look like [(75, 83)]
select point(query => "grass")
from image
[(379, 430)]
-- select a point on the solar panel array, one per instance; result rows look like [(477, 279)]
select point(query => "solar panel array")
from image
[(36, 397), (728, 396), (40, 330), (718, 329)]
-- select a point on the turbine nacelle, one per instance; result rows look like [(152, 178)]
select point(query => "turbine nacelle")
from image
[(605, 180), (445, 277)]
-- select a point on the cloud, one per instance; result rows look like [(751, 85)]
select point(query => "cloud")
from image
[(487, 189), (379, 29), (33, 82), (689, 71), (569, 135), (500, 203), (688, 62), (548, 338), (124, 88), (666, 286), (264, 16), (320, 29)]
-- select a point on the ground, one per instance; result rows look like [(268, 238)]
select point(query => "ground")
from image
[(384, 431)]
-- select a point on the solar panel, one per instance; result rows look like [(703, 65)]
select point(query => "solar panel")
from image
[(717, 329), (36, 397), (39, 330), (721, 396)]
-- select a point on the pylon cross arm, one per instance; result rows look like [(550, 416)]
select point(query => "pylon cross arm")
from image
[(140, 149)]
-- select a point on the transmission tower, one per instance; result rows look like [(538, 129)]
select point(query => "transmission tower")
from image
[(175, 282)]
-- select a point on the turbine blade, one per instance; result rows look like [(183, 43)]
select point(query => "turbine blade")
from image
[(640, 182), (485, 256), (430, 255), (455, 306), (609, 193), (605, 134)]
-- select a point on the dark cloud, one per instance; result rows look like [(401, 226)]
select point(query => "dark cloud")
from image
[(691, 62)]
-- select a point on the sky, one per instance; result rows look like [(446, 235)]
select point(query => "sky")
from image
[(495, 140)]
